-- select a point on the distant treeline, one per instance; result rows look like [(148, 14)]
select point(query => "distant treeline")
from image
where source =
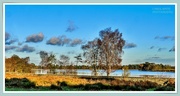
[(151, 67), (147, 66), (22, 65)]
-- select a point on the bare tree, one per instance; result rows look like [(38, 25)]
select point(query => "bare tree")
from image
[(52, 62), (44, 58), (111, 49), (105, 52), (52, 59), (91, 53), (64, 60), (78, 59)]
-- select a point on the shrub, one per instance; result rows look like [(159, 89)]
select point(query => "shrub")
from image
[(92, 87), (165, 88), (171, 85), (55, 87), (16, 82), (133, 88), (63, 83), (117, 87), (146, 84), (78, 86)]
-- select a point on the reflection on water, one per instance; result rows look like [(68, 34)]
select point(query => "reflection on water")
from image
[(133, 73)]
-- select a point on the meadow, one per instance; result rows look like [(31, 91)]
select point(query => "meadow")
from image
[(33, 82)]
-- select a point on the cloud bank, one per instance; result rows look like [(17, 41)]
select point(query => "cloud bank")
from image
[(8, 40), (60, 41), (35, 38), (130, 45), (26, 48), (164, 38), (71, 27), (63, 40), (7, 36), (7, 48), (76, 42)]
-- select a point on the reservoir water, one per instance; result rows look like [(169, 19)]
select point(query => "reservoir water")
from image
[(133, 73)]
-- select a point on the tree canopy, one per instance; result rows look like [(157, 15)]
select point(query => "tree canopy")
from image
[(106, 50)]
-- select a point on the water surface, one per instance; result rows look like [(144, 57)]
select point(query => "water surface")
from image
[(133, 73)]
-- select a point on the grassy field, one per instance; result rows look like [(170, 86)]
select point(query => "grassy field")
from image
[(28, 89), (75, 83), (64, 88)]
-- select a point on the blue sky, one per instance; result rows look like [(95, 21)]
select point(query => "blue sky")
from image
[(149, 30)]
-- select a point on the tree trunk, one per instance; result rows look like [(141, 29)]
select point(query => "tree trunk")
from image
[(108, 74), (108, 70)]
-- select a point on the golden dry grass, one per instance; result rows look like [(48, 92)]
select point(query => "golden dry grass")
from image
[(48, 80), (157, 80)]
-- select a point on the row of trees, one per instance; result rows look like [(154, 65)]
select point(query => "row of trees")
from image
[(147, 66), (156, 67), (17, 64), (22, 65), (101, 53), (50, 59)]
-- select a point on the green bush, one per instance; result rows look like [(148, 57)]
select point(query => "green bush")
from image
[(78, 86), (63, 83), (133, 88), (165, 88), (55, 87), (16, 82), (92, 87)]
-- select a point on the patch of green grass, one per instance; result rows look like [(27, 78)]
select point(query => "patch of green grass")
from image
[(64, 88), (151, 89), (67, 88), (27, 89)]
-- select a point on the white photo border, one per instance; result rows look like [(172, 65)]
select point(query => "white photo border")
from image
[(175, 4)]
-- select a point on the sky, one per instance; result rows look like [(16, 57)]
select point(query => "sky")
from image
[(149, 30)]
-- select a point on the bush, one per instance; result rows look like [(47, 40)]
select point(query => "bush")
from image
[(92, 87), (133, 88), (171, 85), (16, 82), (63, 83), (117, 87), (55, 87), (78, 86), (165, 88), (146, 84)]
